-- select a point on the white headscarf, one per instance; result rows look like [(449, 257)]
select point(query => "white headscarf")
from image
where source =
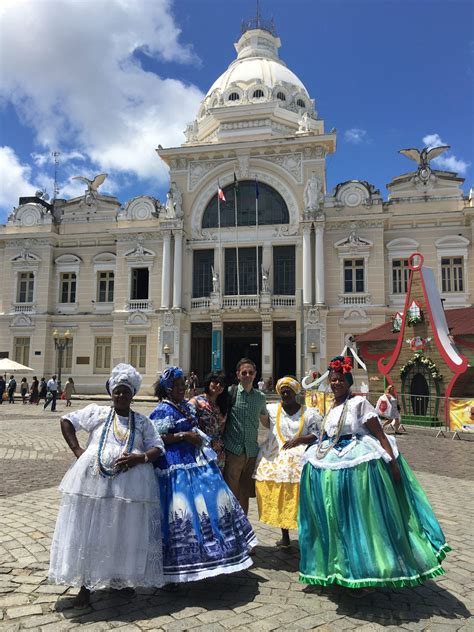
[(124, 375)]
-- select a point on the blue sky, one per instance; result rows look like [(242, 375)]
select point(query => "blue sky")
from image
[(106, 81)]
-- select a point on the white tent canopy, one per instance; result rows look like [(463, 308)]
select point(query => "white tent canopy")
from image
[(9, 366)]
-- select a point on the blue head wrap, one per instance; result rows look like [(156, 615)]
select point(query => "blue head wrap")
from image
[(168, 377)]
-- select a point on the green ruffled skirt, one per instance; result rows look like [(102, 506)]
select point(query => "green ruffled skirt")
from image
[(359, 529)]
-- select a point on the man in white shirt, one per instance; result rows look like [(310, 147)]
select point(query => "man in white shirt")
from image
[(52, 394)]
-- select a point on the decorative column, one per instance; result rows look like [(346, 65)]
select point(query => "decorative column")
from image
[(307, 266), (165, 271), (178, 268), (319, 261)]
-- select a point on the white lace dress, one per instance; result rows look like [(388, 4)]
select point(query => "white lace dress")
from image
[(108, 529)]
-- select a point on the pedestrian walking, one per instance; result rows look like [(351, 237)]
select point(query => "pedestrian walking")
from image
[(52, 396), (388, 409), (108, 531), (11, 389), (69, 389), (24, 390), (3, 387), (43, 389), (34, 391), (247, 408)]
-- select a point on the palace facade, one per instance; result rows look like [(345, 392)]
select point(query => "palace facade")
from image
[(200, 282)]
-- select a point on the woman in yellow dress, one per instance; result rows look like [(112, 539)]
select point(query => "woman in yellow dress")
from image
[(278, 470)]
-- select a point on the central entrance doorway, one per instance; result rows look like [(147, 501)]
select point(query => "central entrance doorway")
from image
[(242, 340)]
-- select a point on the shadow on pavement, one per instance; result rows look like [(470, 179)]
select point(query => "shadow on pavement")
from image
[(395, 607), (217, 594)]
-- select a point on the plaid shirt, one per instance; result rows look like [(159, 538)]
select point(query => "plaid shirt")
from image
[(241, 428)]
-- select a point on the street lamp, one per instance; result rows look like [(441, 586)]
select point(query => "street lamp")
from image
[(313, 348), (166, 351), (61, 343)]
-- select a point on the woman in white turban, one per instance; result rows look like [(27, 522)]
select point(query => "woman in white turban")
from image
[(108, 529), (278, 468)]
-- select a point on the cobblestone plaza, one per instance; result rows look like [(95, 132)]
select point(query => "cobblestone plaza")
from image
[(34, 457)]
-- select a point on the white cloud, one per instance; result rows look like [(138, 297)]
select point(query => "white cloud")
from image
[(15, 179), (69, 69), (355, 135), (447, 160)]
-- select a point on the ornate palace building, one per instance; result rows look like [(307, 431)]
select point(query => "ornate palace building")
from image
[(279, 269)]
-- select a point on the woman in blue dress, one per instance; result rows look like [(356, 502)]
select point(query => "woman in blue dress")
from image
[(205, 531)]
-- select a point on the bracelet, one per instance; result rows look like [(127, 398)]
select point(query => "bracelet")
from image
[(146, 457), (180, 436)]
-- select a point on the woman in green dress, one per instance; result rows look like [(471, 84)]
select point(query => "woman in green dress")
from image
[(364, 520)]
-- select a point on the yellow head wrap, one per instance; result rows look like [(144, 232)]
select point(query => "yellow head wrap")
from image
[(289, 382)]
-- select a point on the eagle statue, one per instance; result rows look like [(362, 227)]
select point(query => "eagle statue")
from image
[(92, 185)]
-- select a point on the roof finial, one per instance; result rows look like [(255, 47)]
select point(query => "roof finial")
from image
[(258, 23), (258, 14)]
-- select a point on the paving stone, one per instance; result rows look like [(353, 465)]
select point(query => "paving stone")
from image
[(24, 611)]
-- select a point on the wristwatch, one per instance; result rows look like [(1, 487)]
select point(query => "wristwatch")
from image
[(146, 457)]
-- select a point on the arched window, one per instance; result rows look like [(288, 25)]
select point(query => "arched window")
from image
[(281, 96), (300, 103), (258, 94), (272, 208), (233, 96)]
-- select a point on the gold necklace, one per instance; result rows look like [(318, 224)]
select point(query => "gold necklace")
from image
[(277, 424), (322, 451), (120, 434)]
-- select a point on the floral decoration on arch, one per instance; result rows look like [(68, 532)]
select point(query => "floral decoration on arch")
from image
[(426, 362), (414, 313)]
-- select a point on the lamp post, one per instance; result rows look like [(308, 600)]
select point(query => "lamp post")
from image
[(61, 343), (313, 348), (166, 351)]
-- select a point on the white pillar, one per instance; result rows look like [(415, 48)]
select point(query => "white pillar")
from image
[(178, 268), (319, 262), (307, 265), (166, 271)]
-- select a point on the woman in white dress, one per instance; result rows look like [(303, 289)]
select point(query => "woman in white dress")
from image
[(108, 528), (278, 469)]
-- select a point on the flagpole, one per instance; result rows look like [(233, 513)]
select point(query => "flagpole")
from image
[(219, 235), (256, 224), (237, 243)]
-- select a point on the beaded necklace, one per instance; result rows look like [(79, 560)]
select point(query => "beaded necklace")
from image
[(181, 410), (331, 441), (278, 428), (105, 470)]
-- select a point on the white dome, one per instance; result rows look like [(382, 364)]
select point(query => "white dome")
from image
[(249, 71), (258, 65)]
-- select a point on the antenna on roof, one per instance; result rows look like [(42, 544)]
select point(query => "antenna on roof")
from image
[(258, 23), (55, 155)]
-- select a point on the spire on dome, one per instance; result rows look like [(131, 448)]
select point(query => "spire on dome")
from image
[(258, 23)]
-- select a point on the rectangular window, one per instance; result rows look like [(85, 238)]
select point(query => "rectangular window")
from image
[(400, 274), (139, 284), (203, 260), (68, 287), (246, 283), (26, 284), (137, 352), (66, 360), (353, 276), (102, 354), (452, 274), (21, 350), (284, 270), (105, 287)]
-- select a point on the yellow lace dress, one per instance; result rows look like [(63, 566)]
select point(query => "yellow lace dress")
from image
[(277, 471)]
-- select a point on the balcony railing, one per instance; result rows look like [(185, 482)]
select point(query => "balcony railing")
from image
[(24, 308), (240, 302), (354, 299), (140, 305), (283, 301), (203, 302)]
